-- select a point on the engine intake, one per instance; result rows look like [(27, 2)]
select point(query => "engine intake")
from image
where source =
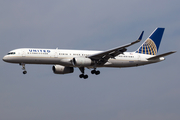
[(58, 69)]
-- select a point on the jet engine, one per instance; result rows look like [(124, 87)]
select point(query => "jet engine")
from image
[(80, 62), (58, 69)]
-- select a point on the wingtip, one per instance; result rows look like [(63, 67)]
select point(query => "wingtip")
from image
[(141, 35), (173, 51)]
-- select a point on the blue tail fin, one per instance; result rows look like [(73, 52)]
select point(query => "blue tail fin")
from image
[(151, 45)]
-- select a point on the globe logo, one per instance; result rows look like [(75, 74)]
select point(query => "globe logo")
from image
[(149, 47)]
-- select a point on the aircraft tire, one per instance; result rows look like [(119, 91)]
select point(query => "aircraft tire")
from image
[(24, 72), (93, 72), (85, 76), (81, 75), (97, 72)]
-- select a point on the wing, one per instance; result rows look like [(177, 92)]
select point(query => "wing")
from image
[(102, 57)]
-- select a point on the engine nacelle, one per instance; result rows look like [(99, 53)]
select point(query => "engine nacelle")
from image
[(58, 69), (80, 62)]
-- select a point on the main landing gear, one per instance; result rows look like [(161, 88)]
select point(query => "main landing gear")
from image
[(96, 72), (23, 68), (82, 75)]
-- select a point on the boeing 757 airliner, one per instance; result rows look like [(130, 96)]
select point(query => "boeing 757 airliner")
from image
[(64, 61)]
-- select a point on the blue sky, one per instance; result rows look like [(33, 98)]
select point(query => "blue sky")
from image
[(146, 92)]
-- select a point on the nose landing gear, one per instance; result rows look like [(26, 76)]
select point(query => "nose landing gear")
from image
[(23, 68)]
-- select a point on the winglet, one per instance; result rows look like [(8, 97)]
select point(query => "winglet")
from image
[(140, 37)]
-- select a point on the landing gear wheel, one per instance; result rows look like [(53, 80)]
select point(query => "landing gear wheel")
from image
[(93, 71), (24, 72), (97, 72), (82, 71), (83, 76)]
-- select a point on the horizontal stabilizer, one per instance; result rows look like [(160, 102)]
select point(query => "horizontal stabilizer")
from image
[(162, 55)]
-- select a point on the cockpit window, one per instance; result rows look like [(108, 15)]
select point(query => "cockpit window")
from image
[(11, 53)]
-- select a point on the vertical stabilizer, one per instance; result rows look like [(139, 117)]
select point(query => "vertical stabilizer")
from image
[(152, 43)]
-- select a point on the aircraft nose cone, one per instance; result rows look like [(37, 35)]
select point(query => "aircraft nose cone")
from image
[(4, 58)]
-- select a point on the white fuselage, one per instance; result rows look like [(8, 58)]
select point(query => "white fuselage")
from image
[(64, 57)]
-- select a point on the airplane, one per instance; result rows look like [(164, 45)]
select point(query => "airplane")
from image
[(64, 61)]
